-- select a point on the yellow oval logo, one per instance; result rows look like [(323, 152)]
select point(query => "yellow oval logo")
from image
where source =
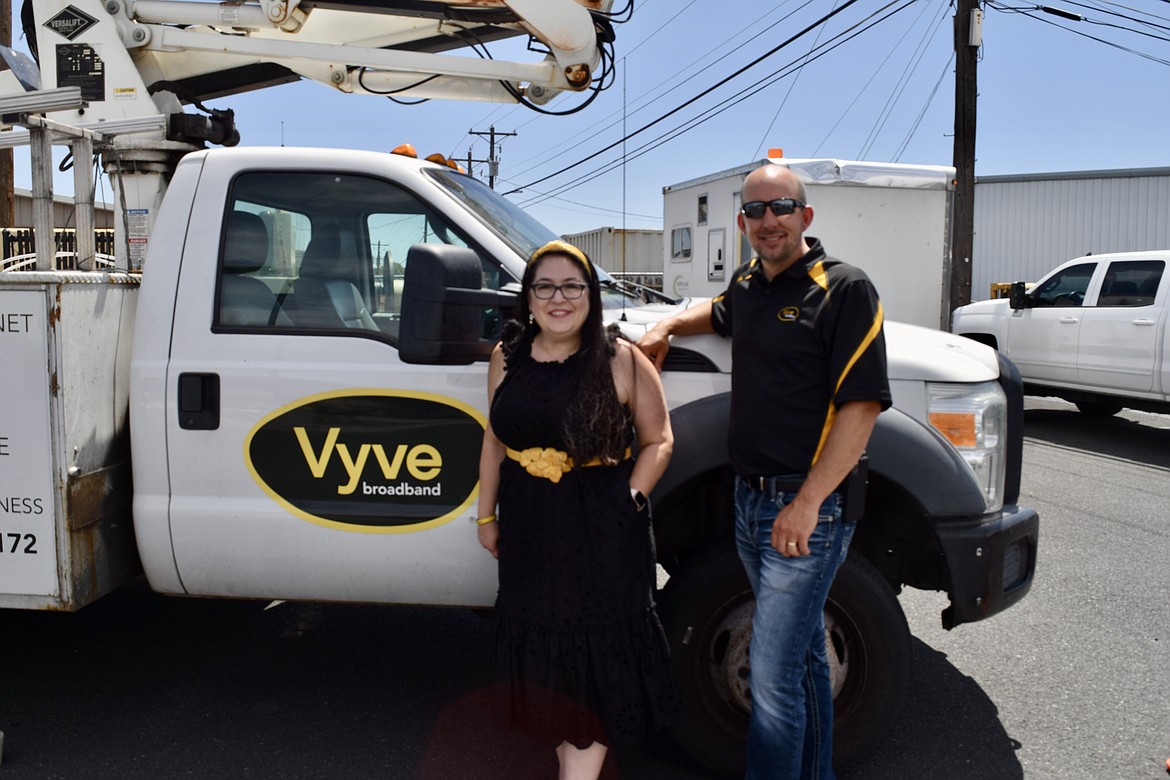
[(788, 314), (372, 461)]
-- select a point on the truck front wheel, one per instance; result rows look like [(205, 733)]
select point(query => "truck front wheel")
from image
[(707, 611)]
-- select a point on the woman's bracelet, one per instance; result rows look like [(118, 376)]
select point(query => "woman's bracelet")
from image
[(485, 520)]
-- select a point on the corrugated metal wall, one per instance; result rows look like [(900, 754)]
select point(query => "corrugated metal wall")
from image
[(620, 250), (1026, 225), (63, 211)]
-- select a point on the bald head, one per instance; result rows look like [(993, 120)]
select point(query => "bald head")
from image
[(770, 178)]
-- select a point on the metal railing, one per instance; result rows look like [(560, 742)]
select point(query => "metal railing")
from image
[(18, 250)]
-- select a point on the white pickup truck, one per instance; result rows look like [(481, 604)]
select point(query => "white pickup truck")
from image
[(288, 403), (1093, 331)]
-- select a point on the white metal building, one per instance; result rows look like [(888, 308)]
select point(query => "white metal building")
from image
[(1026, 225)]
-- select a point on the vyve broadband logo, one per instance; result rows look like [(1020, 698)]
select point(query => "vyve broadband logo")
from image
[(372, 461)]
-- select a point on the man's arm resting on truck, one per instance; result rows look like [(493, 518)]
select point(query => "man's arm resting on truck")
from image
[(844, 445), (690, 322)]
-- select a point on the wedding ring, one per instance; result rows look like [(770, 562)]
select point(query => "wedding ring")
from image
[(792, 544)]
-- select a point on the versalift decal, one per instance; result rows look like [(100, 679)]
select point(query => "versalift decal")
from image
[(372, 461)]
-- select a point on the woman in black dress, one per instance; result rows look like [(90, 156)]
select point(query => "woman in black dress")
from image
[(578, 643)]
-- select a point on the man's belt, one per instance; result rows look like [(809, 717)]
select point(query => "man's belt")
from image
[(767, 484)]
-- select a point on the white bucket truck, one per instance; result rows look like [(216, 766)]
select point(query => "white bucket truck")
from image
[(288, 403)]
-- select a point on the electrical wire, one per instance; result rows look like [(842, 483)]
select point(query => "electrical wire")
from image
[(719, 108), (697, 97), (655, 92), (1028, 13), (788, 94), (900, 87), (921, 114)]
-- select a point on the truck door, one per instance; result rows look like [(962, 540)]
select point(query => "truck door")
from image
[(1120, 334), (306, 460), (1043, 337)]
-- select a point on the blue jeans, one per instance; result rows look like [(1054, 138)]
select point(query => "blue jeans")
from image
[(790, 734)]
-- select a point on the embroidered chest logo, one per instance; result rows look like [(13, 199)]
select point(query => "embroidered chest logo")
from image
[(789, 314)]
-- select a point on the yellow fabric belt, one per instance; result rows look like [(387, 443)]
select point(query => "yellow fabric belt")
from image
[(550, 463)]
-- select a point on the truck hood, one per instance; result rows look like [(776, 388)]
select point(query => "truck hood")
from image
[(925, 354), (913, 353), (993, 306)]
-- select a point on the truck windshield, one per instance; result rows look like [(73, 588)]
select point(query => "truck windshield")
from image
[(518, 230), (524, 234)]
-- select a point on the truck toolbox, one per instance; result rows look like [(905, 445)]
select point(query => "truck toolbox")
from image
[(64, 441)]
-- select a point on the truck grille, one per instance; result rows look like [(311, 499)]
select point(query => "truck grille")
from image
[(679, 359)]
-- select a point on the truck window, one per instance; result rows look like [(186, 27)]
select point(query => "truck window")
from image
[(1066, 288), (324, 252), (1131, 283)]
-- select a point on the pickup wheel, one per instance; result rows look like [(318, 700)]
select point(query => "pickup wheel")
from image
[(707, 611), (1099, 408)]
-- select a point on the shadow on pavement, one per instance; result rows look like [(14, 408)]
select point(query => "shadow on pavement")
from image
[(949, 728), (146, 686), (1123, 436)]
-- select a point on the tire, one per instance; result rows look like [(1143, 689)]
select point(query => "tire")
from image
[(707, 609), (1099, 408)]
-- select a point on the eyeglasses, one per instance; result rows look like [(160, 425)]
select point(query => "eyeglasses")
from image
[(781, 207), (570, 290)]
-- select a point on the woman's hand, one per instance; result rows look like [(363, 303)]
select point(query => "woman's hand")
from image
[(489, 537)]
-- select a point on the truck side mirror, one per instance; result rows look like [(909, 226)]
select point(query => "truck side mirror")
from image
[(1018, 296), (442, 306)]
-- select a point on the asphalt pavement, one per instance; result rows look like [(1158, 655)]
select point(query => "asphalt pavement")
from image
[(1074, 682)]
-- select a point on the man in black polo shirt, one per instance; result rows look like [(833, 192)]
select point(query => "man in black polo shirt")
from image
[(808, 381)]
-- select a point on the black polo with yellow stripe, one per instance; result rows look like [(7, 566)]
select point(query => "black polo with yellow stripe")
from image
[(803, 344)]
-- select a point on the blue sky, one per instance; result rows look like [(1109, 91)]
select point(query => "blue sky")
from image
[(1051, 98)]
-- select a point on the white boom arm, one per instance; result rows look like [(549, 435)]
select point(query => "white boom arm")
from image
[(137, 59)]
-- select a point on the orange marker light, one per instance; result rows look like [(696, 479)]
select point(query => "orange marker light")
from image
[(958, 428)]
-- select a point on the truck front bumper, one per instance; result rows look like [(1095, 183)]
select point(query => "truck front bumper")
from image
[(992, 560)]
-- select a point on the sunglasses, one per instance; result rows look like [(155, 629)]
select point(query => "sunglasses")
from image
[(781, 207)]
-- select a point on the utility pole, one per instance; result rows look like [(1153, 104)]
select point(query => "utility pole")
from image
[(7, 198), (492, 161), (968, 38)]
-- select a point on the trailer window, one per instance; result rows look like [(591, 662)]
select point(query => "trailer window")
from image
[(680, 244)]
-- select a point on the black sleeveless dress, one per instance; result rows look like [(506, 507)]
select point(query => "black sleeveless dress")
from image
[(579, 648)]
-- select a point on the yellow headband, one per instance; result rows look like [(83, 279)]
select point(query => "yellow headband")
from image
[(558, 247)]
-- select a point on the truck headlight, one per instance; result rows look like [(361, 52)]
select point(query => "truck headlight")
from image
[(973, 418)]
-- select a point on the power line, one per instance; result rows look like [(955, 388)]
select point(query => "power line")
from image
[(655, 91), (900, 87), (702, 94), (731, 101), (921, 114), (787, 95)]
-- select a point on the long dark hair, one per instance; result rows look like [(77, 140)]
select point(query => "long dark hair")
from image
[(596, 424)]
